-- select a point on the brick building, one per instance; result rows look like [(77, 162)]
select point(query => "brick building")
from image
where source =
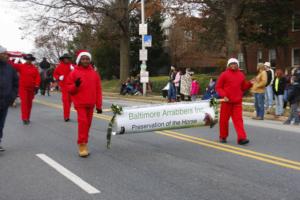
[(284, 58)]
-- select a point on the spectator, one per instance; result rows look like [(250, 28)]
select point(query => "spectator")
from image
[(287, 88), (185, 85), (195, 89), (44, 65), (258, 89), (210, 91), (269, 90), (278, 89), (177, 84), (172, 89), (294, 98)]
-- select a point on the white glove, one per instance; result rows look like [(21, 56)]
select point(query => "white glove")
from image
[(71, 67), (61, 77)]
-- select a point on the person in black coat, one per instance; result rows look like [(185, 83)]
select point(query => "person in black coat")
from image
[(278, 89), (44, 65), (294, 99), (9, 83)]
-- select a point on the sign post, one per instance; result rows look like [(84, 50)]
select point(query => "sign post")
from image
[(143, 52)]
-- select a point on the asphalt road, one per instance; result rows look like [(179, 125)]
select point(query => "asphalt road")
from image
[(179, 164)]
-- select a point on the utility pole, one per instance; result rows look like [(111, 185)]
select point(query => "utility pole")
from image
[(144, 75)]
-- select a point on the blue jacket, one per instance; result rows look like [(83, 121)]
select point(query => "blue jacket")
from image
[(9, 83)]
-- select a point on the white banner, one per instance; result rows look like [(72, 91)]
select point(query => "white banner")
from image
[(166, 116)]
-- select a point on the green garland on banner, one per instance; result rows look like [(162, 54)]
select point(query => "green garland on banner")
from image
[(117, 110)]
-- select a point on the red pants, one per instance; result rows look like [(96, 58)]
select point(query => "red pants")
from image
[(26, 96), (66, 99), (85, 116), (233, 110)]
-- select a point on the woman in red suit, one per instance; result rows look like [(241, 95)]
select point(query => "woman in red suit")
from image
[(29, 82), (231, 86), (84, 86)]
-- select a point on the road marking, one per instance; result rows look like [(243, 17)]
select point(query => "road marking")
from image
[(215, 145), (68, 174), (235, 148), (232, 151)]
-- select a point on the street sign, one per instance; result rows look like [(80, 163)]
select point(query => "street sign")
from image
[(144, 77), (143, 29), (143, 55), (143, 67), (148, 40)]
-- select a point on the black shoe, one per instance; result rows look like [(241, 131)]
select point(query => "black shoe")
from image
[(243, 142), (287, 122), (66, 120), (1, 149), (223, 140), (26, 122)]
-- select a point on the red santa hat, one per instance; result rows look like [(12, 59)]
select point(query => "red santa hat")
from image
[(81, 53)]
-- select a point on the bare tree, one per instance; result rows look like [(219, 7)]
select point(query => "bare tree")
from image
[(72, 14)]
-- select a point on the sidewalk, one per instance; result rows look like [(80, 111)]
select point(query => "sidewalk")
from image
[(152, 99)]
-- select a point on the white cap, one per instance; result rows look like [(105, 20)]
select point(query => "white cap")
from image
[(267, 64), (232, 60), (2, 49)]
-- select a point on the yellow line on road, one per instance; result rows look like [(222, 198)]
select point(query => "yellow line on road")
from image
[(231, 151), (207, 143), (235, 148)]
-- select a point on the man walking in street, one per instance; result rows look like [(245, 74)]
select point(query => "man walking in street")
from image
[(9, 83), (84, 85), (269, 87), (61, 74), (231, 86)]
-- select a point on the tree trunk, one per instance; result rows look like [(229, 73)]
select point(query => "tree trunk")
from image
[(231, 25), (124, 40), (124, 57)]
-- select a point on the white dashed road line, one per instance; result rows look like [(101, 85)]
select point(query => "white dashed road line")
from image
[(68, 174)]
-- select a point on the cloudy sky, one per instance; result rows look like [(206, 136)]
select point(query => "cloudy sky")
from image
[(11, 36)]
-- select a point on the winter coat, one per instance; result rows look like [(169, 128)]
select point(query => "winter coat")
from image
[(195, 88), (232, 84), (281, 86), (294, 93), (9, 83), (177, 79), (260, 83), (185, 84), (89, 93), (270, 77), (62, 69), (44, 65), (29, 76)]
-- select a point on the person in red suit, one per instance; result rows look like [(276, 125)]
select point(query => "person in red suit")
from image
[(29, 82), (61, 74), (231, 86), (84, 86)]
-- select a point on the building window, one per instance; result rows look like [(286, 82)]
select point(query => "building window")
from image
[(259, 56), (296, 57), (272, 57), (296, 22)]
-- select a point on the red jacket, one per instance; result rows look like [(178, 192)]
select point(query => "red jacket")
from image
[(89, 93), (232, 84), (62, 69), (29, 76)]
